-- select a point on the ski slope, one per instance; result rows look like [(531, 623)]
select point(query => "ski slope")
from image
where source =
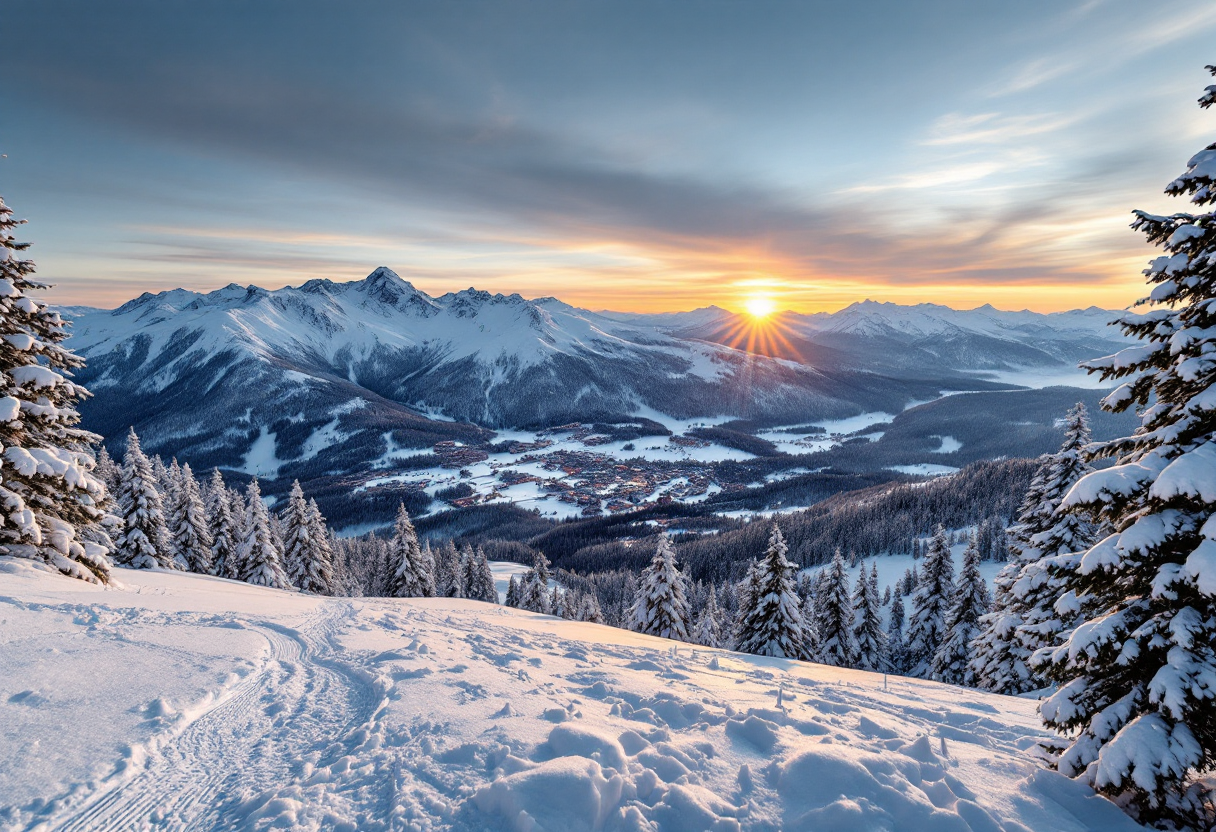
[(184, 702)]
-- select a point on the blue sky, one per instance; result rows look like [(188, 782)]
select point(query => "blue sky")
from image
[(642, 156)]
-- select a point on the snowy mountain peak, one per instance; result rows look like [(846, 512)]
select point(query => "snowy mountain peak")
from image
[(387, 287)]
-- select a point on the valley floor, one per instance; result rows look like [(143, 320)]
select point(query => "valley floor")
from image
[(177, 701)]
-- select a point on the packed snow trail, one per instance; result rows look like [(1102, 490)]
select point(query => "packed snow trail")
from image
[(249, 739), (371, 715)]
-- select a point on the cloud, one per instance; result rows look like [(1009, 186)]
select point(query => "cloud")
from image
[(512, 191), (994, 128)]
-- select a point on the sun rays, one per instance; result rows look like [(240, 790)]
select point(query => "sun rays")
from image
[(763, 330)]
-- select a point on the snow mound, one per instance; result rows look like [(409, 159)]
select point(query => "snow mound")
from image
[(569, 793)]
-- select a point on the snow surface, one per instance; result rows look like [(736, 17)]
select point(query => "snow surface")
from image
[(177, 700)]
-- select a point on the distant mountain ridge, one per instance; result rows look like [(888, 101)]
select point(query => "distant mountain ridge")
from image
[(887, 337), (328, 379)]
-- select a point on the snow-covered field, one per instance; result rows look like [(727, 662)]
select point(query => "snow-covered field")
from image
[(180, 701)]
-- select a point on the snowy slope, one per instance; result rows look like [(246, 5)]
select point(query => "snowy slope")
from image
[(183, 701)]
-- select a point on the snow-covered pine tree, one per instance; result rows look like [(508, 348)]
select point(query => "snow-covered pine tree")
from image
[(895, 635), (950, 663), (275, 524), (560, 604), (834, 607), (449, 576), (1137, 673), (931, 601), (868, 632), (1068, 532), (224, 560), (141, 543), (660, 607), (810, 627), (512, 599), (998, 662), (107, 470), (589, 609), (409, 572), (188, 525), (306, 552), (478, 579), (295, 534), (259, 553), (49, 493), (746, 594), (171, 499), (1023, 619), (534, 588), (325, 578), (773, 623), (160, 473), (708, 630)]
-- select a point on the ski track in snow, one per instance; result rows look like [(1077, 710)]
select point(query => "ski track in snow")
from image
[(249, 739)]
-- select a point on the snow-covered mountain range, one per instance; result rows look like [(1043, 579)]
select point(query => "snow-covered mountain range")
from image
[(927, 339), (327, 378)]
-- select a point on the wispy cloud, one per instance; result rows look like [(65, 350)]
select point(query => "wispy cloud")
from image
[(994, 128)]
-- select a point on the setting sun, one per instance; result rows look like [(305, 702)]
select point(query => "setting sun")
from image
[(760, 306)]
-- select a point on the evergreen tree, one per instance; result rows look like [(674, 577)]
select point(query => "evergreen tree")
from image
[(512, 599), (772, 625), (931, 602), (837, 646), (589, 609), (1023, 619), (224, 560), (478, 579), (260, 556), (429, 570), (895, 636), (161, 473), (747, 593), (998, 661), (107, 470), (660, 607), (1136, 674), (1068, 533), (534, 593), (449, 574), (188, 525), (708, 631), (141, 541), (409, 572), (49, 491), (810, 627), (170, 497), (306, 552), (950, 663), (562, 604), (277, 537), (325, 576), (868, 632)]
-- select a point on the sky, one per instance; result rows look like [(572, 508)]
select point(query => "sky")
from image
[(638, 156)]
